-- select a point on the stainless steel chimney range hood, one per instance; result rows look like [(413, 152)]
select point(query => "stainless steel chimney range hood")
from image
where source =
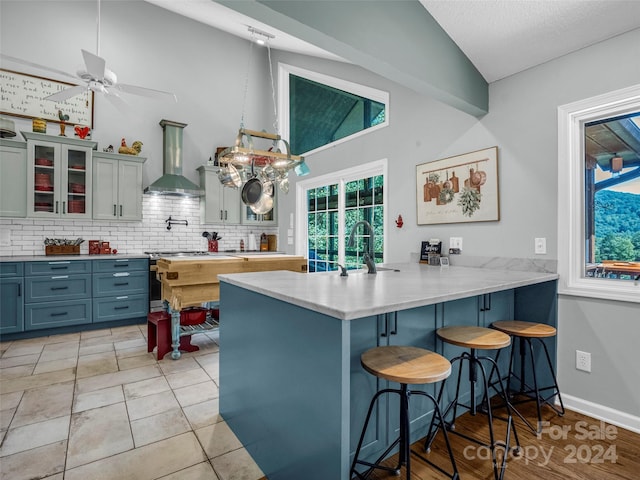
[(172, 182)]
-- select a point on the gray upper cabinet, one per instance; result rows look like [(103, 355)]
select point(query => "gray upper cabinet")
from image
[(58, 176), (13, 178), (117, 186), (219, 204)]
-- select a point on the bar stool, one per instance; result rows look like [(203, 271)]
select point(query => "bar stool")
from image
[(526, 332), (476, 338), (404, 365)]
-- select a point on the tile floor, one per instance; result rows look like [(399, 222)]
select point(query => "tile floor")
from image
[(95, 405)]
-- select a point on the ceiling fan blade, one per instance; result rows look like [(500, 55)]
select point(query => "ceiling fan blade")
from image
[(95, 65), (146, 92), (62, 95), (117, 101), (35, 65)]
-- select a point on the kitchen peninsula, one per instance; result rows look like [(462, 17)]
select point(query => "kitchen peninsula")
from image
[(291, 385)]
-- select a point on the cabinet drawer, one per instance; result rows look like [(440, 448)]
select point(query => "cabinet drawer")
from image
[(59, 267), (57, 287), (120, 265), (11, 269), (57, 314), (120, 283), (119, 308)]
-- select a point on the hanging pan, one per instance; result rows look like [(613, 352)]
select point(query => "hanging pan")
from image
[(252, 190)]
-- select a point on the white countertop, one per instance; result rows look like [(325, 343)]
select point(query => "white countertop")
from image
[(360, 294)]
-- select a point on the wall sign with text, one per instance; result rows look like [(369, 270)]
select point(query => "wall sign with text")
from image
[(23, 96)]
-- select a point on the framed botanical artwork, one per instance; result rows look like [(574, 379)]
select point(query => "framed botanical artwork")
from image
[(459, 189)]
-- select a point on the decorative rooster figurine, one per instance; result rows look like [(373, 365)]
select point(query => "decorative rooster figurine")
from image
[(134, 149), (63, 118)]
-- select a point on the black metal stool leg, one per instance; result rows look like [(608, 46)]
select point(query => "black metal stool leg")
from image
[(555, 381)]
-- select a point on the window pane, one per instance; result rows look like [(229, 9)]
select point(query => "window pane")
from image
[(320, 114), (612, 198)]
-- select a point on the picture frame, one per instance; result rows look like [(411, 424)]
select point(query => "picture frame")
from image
[(459, 189), (23, 96)]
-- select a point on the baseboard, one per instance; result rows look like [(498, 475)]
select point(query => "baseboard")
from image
[(601, 412)]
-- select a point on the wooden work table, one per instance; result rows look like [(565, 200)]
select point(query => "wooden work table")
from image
[(192, 281)]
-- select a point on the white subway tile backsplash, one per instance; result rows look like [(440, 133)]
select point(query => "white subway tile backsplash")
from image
[(27, 235)]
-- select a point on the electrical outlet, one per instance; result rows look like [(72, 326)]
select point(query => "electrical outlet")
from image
[(583, 361), (540, 246)]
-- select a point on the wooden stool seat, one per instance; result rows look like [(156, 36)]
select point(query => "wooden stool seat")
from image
[(518, 328), (409, 365), (480, 338), (405, 365)]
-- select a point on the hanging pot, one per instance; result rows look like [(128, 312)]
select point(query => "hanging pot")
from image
[(265, 202), (252, 191), (229, 176)]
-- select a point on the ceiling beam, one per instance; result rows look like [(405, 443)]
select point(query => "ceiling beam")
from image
[(396, 39)]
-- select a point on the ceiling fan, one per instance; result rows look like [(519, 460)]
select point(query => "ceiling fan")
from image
[(96, 77)]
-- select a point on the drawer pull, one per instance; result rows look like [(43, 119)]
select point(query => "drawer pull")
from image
[(120, 284), (124, 307), (121, 265), (59, 268), (121, 274), (59, 288), (59, 277), (60, 263), (60, 314)]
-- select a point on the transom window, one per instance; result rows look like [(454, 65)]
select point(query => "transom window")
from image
[(318, 110)]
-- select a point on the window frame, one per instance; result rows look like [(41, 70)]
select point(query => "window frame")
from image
[(572, 118), (371, 169), (284, 70)]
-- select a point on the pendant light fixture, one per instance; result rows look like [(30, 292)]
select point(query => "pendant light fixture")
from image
[(258, 168)]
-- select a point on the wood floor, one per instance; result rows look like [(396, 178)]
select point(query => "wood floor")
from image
[(572, 447)]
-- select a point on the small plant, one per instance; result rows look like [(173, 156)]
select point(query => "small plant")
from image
[(434, 177), (469, 201)]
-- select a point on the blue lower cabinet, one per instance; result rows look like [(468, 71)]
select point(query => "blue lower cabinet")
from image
[(119, 308), (11, 305), (57, 314)]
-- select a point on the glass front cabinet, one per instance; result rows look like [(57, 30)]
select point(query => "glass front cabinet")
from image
[(59, 178)]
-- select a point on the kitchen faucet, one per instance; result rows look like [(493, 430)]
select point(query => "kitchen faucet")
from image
[(369, 257)]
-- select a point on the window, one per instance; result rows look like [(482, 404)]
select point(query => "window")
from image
[(318, 110), (328, 209), (599, 196)]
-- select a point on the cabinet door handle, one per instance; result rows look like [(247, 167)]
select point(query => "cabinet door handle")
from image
[(19, 290), (486, 302), (59, 314), (225, 214), (60, 288), (114, 210), (120, 210), (395, 324), (120, 284), (124, 307), (64, 208), (57, 206), (385, 332)]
